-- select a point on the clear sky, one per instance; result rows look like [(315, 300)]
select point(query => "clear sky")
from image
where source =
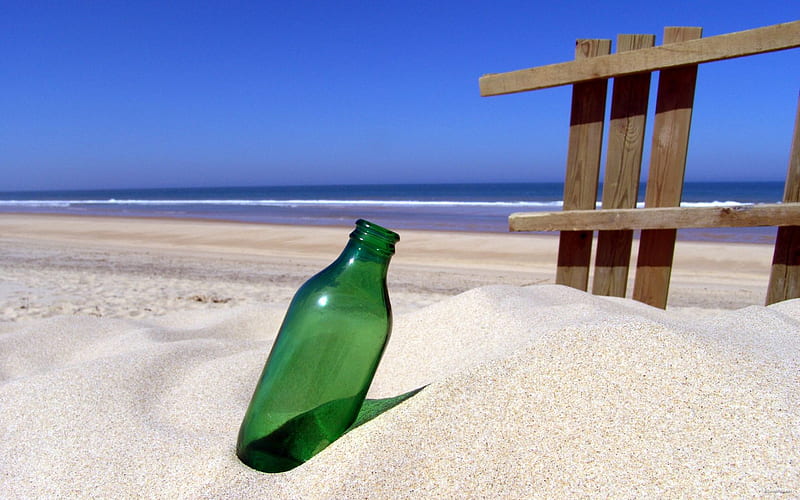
[(105, 94)]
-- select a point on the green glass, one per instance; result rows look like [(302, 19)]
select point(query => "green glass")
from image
[(324, 357)]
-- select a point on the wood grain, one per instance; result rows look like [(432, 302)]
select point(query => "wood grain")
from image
[(690, 52), (623, 166), (671, 126), (583, 167), (778, 214), (784, 278)]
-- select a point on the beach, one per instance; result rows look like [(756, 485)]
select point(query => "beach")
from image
[(132, 267), (130, 348)]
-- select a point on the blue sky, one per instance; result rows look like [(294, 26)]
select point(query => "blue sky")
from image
[(159, 94)]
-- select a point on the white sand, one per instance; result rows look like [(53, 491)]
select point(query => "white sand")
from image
[(532, 391), (115, 267)]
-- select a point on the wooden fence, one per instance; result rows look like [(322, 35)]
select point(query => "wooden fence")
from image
[(637, 57)]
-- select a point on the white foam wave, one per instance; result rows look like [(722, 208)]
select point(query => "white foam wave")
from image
[(714, 204), (316, 203), (702, 204), (282, 203), (35, 203)]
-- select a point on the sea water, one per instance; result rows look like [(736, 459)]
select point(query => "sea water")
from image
[(449, 207)]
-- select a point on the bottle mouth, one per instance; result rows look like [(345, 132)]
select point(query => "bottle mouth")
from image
[(377, 237)]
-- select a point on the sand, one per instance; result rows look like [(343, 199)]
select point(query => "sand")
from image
[(129, 349)]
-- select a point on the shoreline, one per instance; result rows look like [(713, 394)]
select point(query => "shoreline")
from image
[(734, 235), (460, 207), (135, 267)]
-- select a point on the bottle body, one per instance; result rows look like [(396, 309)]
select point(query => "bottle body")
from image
[(322, 362)]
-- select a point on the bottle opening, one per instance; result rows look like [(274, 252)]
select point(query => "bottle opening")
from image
[(376, 236)]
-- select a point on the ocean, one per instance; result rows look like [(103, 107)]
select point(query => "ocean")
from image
[(449, 207)]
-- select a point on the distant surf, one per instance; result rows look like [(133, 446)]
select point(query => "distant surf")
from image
[(456, 207)]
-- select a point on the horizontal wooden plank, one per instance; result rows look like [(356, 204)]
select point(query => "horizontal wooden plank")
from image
[(714, 48), (779, 214)]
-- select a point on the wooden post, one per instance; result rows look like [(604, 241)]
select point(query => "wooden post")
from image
[(784, 278), (667, 166), (583, 167), (623, 167)]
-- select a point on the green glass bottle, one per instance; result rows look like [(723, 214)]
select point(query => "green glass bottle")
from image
[(324, 357)]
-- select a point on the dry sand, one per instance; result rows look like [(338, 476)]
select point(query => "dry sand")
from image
[(129, 349), (113, 267)]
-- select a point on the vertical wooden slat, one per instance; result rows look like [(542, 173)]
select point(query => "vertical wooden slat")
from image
[(583, 167), (667, 166), (623, 167), (784, 278)]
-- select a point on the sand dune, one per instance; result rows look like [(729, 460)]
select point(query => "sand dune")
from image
[(530, 390), (117, 382)]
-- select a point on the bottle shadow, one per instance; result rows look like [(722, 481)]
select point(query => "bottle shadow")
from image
[(375, 407), (303, 437)]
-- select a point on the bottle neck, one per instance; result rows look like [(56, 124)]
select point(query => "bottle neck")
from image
[(374, 238), (357, 252), (369, 249)]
